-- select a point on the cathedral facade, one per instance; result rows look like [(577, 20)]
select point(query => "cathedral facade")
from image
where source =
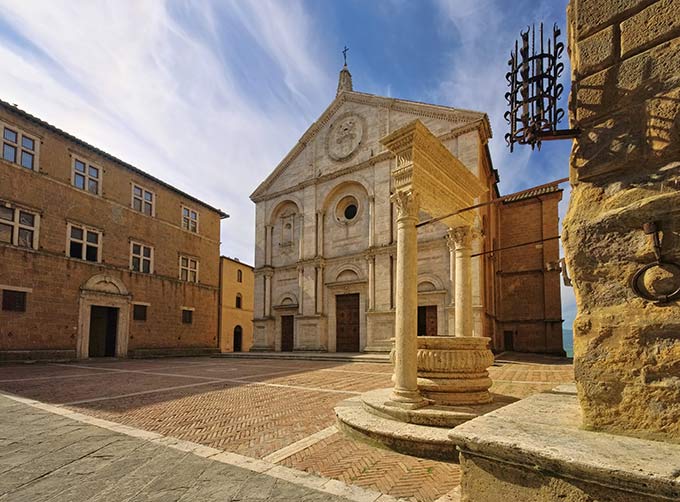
[(325, 257)]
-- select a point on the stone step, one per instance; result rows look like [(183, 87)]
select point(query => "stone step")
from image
[(311, 356), (357, 421)]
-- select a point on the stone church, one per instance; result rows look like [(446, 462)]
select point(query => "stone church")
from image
[(325, 256)]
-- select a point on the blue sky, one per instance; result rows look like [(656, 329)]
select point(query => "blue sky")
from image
[(209, 96)]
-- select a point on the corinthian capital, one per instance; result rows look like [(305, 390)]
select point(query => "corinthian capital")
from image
[(461, 237), (407, 204)]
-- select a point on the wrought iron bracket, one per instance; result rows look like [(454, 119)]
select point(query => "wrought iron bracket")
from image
[(535, 70), (636, 281)]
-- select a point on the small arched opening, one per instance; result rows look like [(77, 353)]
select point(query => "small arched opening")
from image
[(238, 339)]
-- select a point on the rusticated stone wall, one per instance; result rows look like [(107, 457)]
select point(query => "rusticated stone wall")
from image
[(625, 170)]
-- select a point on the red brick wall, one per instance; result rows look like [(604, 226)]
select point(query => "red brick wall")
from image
[(529, 295)]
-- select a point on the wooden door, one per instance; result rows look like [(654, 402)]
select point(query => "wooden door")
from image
[(287, 333), (427, 320), (347, 323)]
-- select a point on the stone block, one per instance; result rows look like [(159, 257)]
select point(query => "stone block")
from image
[(663, 125), (658, 22), (535, 451), (597, 51), (592, 15), (653, 72)]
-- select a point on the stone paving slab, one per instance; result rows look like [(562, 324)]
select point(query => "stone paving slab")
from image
[(261, 408), (94, 464)]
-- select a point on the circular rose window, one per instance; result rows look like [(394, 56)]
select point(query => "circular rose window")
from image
[(347, 209)]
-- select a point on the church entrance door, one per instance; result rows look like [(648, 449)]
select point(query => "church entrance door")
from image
[(347, 323), (427, 320), (287, 334)]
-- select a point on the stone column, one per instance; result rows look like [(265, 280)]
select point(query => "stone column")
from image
[(371, 221), (371, 282), (450, 308), (462, 237), (319, 289), (267, 295), (268, 235), (301, 288), (319, 233), (405, 392)]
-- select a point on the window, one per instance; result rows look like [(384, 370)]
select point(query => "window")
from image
[(84, 243), (188, 269), (86, 176), (18, 227), (143, 200), (347, 209), (238, 301), (187, 316), (139, 312), (239, 276), (141, 258), (18, 148), (189, 219), (13, 301)]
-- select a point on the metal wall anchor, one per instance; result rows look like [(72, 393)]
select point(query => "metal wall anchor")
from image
[(637, 281)]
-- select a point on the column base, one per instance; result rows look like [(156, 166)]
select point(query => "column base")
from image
[(406, 399)]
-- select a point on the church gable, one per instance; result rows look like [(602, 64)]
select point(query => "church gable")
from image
[(348, 133)]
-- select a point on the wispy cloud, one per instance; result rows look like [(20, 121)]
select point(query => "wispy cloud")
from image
[(155, 84), (484, 33)]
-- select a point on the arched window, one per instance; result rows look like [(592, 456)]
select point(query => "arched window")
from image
[(238, 301), (239, 276)]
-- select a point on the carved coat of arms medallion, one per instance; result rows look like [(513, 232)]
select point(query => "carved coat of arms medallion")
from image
[(344, 136)]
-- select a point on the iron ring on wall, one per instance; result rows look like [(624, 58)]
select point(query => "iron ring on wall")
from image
[(644, 293)]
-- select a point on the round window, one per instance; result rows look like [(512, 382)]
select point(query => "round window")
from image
[(347, 209), (350, 211)]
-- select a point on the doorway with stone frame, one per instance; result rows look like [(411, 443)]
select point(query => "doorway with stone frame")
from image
[(103, 327), (103, 291), (347, 323)]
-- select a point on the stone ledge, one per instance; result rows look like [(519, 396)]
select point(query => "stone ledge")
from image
[(181, 352), (37, 355), (542, 434), (417, 440), (377, 403)]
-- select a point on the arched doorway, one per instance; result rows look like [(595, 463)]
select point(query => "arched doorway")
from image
[(238, 339), (103, 329)]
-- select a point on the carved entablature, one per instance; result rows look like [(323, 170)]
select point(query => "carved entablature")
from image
[(425, 166), (344, 136)]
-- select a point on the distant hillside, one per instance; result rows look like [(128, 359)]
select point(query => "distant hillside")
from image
[(568, 341)]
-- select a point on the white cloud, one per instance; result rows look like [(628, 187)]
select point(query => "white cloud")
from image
[(166, 95), (485, 31)]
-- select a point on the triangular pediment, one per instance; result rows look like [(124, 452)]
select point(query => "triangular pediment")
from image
[(450, 121)]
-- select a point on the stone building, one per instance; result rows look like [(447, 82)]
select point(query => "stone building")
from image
[(236, 305), (98, 258), (325, 256)]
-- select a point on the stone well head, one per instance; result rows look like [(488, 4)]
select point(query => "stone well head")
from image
[(452, 370)]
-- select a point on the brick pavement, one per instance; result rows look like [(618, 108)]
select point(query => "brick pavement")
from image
[(258, 407)]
